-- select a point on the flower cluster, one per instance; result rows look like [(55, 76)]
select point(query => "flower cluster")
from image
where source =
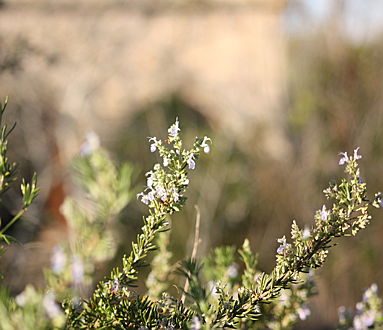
[(168, 180), (368, 314), (220, 292)]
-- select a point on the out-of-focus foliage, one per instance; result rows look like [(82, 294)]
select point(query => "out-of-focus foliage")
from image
[(216, 295), (91, 219), (368, 314)]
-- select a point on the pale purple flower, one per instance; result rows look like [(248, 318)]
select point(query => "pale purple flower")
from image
[(371, 291), (283, 245), (153, 146), (77, 270), (303, 312), (21, 299), (174, 129), (342, 314), (176, 196), (324, 213), (116, 285), (151, 195), (359, 307), (161, 193), (306, 233), (185, 181), (344, 159), (50, 305), (149, 182), (213, 288), (92, 142), (205, 146), (365, 320), (195, 323), (58, 259), (232, 271), (190, 161), (356, 156), (284, 298), (144, 198)]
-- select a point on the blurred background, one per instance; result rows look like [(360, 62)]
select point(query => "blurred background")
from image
[(281, 87)]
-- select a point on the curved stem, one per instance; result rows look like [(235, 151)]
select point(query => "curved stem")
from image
[(14, 219)]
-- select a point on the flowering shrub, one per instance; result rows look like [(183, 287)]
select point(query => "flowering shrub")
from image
[(224, 289)]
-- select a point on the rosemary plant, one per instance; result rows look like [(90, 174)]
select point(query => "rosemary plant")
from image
[(113, 304), (226, 289), (29, 190)]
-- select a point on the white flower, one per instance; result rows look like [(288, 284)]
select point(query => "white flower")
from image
[(344, 159), (324, 213), (371, 291), (365, 320), (306, 233), (176, 196), (144, 198), (283, 245), (284, 298), (58, 260), (77, 270), (166, 162), (51, 307), (21, 299), (174, 129), (213, 288), (153, 146), (149, 182), (116, 285), (190, 161), (161, 193), (342, 313), (356, 156), (92, 142), (195, 323), (232, 271), (185, 181), (205, 146), (151, 195), (359, 307), (303, 312)]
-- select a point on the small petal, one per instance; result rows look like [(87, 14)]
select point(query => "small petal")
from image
[(51, 306), (174, 129), (77, 270), (205, 146), (283, 245), (344, 159), (58, 260), (191, 162), (149, 182), (176, 196), (356, 156), (303, 312), (92, 142), (306, 233), (324, 213)]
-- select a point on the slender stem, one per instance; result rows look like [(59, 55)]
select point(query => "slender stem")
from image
[(195, 248), (15, 218)]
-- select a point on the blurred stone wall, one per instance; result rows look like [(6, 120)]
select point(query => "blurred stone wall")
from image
[(97, 62)]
